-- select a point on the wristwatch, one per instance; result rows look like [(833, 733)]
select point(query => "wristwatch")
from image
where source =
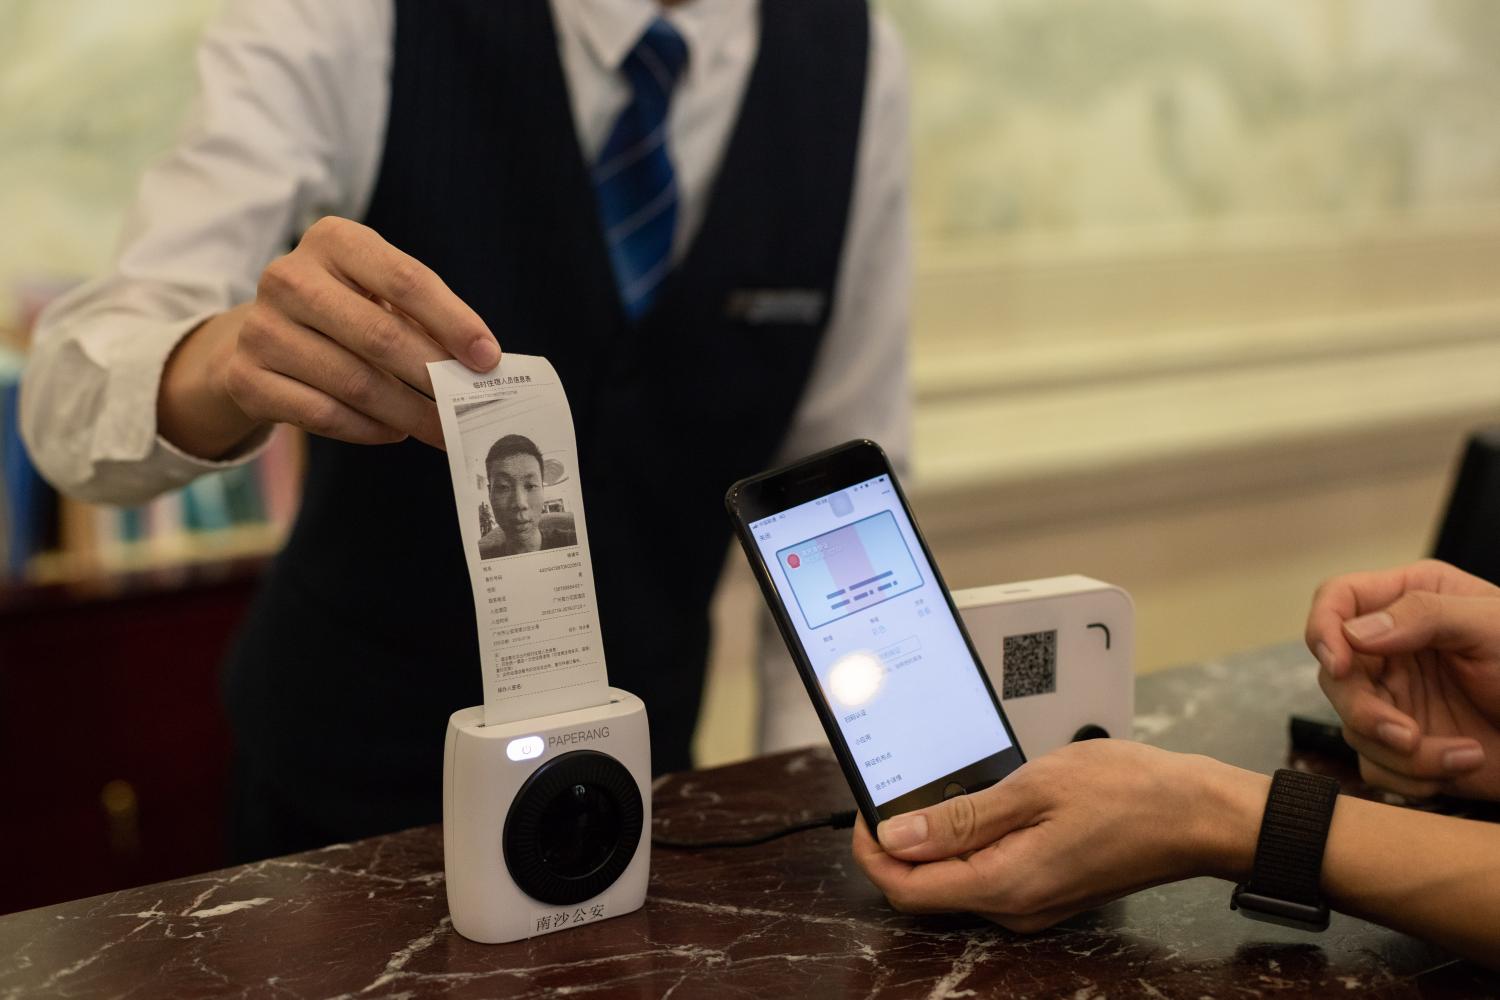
[(1283, 885)]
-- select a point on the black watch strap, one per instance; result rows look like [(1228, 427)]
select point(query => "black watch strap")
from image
[(1283, 887)]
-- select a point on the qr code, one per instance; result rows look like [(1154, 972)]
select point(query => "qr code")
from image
[(1030, 664)]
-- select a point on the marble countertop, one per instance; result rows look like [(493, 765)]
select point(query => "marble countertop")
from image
[(792, 917)]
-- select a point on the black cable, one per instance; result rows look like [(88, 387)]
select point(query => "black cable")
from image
[(838, 821)]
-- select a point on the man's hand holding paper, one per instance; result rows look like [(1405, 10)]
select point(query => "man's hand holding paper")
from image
[(336, 343)]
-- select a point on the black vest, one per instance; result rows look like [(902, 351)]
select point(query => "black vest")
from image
[(363, 641)]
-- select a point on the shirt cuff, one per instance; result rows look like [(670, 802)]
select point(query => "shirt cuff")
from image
[(126, 443), (172, 458), (132, 356)]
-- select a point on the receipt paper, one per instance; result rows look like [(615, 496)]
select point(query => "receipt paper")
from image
[(509, 435)]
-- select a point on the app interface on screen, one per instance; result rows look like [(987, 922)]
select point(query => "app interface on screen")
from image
[(891, 662)]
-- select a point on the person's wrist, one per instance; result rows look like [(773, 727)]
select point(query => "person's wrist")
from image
[(194, 409), (1228, 805)]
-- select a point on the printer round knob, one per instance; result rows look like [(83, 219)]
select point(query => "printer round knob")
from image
[(573, 827)]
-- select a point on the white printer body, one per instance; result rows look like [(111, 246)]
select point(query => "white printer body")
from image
[(546, 821)]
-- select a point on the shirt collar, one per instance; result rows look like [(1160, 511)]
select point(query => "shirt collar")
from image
[(610, 28)]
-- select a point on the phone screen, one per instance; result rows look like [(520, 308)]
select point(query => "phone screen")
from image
[(891, 662)]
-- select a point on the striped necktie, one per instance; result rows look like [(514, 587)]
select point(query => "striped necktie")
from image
[(633, 180)]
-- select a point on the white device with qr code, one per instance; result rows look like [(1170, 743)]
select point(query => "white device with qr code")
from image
[(1059, 653)]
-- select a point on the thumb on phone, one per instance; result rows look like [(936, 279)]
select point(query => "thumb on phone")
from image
[(961, 824)]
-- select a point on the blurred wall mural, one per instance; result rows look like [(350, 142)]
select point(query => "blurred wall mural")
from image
[(1064, 116), (90, 92), (1049, 119)]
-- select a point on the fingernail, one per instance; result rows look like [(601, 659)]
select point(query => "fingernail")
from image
[(1324, 655), (485, 352), (1370, 626), (1463, 759), (1394, 735), (903, 831)]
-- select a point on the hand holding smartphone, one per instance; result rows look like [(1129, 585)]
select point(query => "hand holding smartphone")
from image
[(872, 629)]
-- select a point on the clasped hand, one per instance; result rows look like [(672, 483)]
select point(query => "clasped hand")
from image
[(1410, 659)]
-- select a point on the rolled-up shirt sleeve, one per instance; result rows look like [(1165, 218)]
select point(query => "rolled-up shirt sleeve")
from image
[(286, 128)]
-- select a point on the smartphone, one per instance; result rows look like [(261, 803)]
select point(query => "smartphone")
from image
[(872, 629)]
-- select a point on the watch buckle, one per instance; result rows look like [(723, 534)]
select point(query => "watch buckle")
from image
[(1285, 912)]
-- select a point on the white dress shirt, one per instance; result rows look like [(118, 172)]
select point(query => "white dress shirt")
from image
[(288, 127)]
